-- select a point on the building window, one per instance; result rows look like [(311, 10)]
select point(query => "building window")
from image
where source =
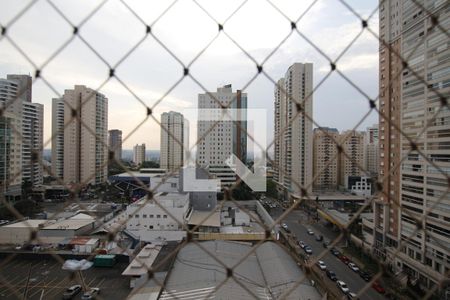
[(144, 216), (164, 216), (151, 216), (136, 216), (151, 227), (158, 216)]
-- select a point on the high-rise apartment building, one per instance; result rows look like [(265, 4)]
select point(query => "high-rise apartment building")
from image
[(174, 134), (115, 143), (5, 153), (58, 138), (415, 191), (85, 136), (221, 139), (352, 156), (294, 134), (139, 154), (326, 158), (25, 139), (371, 150), (32, 142)]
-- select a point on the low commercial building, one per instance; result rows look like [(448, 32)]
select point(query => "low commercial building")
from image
[(159, 218), (19, 232), (58, 231), (139, 267), (83, 244)]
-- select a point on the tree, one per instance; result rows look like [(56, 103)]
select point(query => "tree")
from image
[(242, 192), (271, 189), (149, 164)]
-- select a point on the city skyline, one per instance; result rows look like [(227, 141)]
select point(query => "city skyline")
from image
[(152, 74)]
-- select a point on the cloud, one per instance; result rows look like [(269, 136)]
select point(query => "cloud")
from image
[(150, 71)]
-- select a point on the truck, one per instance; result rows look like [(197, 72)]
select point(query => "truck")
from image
[(104, 260)]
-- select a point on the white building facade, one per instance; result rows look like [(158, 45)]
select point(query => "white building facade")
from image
[(139, 154), (219, 140), (160, 218), (25, 121)]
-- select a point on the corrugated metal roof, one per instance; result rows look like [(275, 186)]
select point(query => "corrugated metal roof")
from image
[(267, 273), (143, 261)]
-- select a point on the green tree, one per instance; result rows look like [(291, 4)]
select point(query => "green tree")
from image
[(242, 192), (271, 189), (149, 164)]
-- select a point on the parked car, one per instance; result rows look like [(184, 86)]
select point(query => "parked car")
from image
[(301, 244), (342, 286), (335, 252), (91, 294), (377, 287), (326, 243), (344, 259), (285, 227), (308, 249), (351, 296), (309, 231), (319, 238), (331, 275), (72, 291), (365, 275), (353, 266), (321, 265)]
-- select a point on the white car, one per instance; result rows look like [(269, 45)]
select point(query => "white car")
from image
[(321, 265), (342, 286), (91, 294), (310, 232), (353, 267), (301, 244)]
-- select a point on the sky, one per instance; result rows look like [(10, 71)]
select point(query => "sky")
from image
[(186, 29)]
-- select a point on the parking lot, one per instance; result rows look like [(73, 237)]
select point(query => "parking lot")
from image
[(42, 277)]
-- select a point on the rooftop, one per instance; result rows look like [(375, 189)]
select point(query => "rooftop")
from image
[(143, 261), (204, 218), (267, 272), (26, 223), (69, 224)]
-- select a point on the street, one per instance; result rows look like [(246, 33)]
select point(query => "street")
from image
[(298, 223)]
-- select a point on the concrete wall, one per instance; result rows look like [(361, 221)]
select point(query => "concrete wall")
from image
[(10, 235)]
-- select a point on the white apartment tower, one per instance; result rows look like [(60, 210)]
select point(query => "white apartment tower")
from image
[(85, 136), (32, 142), (221, 139), (139, 154), (58, 138), (415, 195), (294, 135), (174, 135), (25, 134)]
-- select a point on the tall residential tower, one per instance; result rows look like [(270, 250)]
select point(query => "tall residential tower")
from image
[(115, 143), (415, 184), (85, 136), (221, 139), (293, 131), (174, 134)]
